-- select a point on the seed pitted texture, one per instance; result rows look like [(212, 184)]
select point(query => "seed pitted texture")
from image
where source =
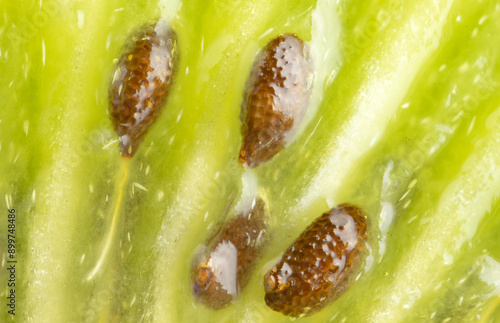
[(277, 97), (315, 269), (222, 270), (141, 83)]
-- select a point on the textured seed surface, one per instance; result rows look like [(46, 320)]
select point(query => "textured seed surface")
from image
[(223, 268), (277, 97), (141, 83), (315, 269)]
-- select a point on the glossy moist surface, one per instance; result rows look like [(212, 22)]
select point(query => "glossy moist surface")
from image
[(316, 267), (141, 83), (224, 266), (277, 97)]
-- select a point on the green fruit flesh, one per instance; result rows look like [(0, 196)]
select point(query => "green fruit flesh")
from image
[(404, 122)]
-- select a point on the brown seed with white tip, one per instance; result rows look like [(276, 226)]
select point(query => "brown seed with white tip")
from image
[(223, 268), (316, 268), (141, 83), (276, 100)]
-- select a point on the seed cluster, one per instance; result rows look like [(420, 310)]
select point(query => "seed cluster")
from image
[(315, 269), (141, 83), (277, 97)]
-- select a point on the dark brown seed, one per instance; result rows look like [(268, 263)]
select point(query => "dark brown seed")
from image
[(141, 83), (316, 267), (277, 97), (223, 268)]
